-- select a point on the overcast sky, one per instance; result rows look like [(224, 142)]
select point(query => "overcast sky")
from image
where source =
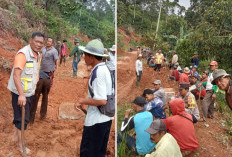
[(185, 3)]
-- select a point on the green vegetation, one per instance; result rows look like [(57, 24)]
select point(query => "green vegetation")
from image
[(204, 27), (61, 19), (224, 108), (122, 150)]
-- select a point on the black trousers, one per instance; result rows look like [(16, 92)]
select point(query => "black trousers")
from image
[(94, 140), (43, 86), (18, 111), (157, 67), (139, 76)]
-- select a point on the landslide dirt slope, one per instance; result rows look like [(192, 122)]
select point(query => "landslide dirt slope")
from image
[(213, 140), (52, 137)]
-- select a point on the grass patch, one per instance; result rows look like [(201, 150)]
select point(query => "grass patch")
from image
[(119, 55), (122, 150)]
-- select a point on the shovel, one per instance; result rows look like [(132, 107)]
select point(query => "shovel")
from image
[(22, 132), (81, 109)]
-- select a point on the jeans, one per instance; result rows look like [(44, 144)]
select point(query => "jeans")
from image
[(75, 63)]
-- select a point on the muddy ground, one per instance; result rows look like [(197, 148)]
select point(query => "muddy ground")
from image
[(212, 139), (52, 137)]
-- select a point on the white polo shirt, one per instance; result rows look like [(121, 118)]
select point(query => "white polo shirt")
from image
[(101, 85)]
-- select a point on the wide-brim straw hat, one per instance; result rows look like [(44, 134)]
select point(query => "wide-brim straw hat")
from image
[(94, 47)]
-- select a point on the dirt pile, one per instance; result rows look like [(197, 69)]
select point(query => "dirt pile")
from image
[(128, 35)]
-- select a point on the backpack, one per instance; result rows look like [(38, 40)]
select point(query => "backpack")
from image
[(109, 108)]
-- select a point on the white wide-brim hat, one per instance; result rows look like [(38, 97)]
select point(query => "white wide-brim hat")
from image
[(94, 47)]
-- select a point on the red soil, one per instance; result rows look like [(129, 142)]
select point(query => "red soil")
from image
[(52, 136), (213, 140)]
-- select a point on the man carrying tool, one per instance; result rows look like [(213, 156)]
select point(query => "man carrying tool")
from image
[(22, 83), (77, 56), (49, 64), (97, 123)]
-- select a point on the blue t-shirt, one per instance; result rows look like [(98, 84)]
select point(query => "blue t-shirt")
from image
[(195, 61), (156, 108), (195, 74), (142, 121)]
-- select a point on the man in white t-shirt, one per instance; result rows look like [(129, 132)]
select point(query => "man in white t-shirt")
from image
[(139, 69), (97, 125), (174, 59)]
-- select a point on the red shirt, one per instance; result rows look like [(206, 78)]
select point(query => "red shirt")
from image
[(181, 128), (175, 73), (184, 78)]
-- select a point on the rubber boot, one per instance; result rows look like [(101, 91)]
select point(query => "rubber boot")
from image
[(137, 84), (74, 74)]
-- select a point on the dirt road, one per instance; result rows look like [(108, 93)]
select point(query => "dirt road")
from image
[(52, 137), (212, 137)]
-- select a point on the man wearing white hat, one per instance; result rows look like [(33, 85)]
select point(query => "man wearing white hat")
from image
[(184, 76), (97, 123), (139, 69)]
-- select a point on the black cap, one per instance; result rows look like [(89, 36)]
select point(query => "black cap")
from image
[(140, 101), (183, 86), (147, 91)]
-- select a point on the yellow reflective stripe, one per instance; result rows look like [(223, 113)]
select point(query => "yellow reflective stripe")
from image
[(191, 107), (159, 59), (29, 65), (25, 83)]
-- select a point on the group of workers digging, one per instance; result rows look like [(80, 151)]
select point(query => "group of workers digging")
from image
[(173, 136), (33, 74)]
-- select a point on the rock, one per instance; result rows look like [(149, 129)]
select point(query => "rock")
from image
[(67, 111), (206, 125), (10, 154), (5, 64)]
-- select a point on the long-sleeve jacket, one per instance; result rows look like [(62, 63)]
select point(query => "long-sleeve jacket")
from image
[(76, 52)]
